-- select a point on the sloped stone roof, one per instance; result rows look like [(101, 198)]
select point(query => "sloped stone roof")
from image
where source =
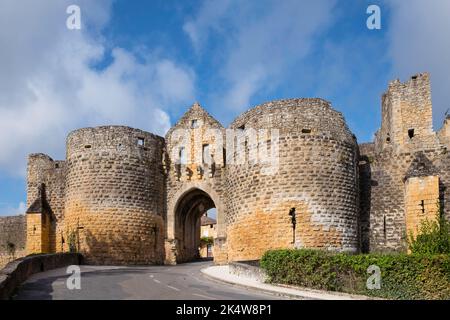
[(40, 204), (205, 220), (421, 166), (194, 112)]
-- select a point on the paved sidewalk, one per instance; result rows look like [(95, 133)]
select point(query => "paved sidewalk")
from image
[(221, 273)]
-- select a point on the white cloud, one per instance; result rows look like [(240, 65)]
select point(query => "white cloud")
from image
[(49, 87), (209, 18), (419, 41), (257, 41), (13, 211)]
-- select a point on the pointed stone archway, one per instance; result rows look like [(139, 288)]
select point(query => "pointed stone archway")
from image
[(183, 223)]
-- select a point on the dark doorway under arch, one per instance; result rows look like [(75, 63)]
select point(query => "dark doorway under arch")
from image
[(188, 214)]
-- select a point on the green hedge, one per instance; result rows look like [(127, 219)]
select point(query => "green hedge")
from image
[(402, 276)]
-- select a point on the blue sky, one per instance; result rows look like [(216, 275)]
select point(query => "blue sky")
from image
[(143, 63)]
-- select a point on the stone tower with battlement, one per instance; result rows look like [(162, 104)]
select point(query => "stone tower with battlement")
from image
[(404, 174), (406, 112), (126, 196)]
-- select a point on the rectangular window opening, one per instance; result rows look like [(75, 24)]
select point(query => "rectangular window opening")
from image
[(182, 155), (141, 142), (194, 124), (411, 133), (224, 155), (306, 130), (206, 154)]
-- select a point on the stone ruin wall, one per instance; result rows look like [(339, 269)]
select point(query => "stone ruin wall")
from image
[(396, 174), (115, 190), (12, 238), (317, 175)]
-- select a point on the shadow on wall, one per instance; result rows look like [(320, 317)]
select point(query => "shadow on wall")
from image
[(365, 185), (122, 249)]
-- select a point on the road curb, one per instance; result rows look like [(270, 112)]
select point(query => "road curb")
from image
[(240, 285), (277, 290)]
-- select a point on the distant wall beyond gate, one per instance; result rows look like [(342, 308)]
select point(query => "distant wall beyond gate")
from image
[(12, 238)]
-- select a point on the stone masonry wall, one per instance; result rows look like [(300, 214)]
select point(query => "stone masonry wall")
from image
[(421, 202), (317, 175), (12, 238), (407, 106), (115, 189), (392, 171), (383, 203)]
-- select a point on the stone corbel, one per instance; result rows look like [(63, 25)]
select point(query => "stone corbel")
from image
[(177, 171), (188, 173), (164, 162), (199, 172), (212, 167)]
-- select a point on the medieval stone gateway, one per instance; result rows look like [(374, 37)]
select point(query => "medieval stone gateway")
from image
[(126, 196)]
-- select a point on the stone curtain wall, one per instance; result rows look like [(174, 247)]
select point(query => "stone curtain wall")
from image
[(115, 200), (386, 203), (12, 231), (383, 203), (317, 175)]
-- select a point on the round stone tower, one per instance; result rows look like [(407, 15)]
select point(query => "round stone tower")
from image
[(115, 195), (298, 153)]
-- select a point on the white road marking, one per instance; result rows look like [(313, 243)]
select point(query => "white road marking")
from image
[(173, 288), (156, 280), (202, 296), (151, 276)]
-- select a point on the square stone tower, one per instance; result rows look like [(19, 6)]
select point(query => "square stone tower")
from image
[(406, 114)]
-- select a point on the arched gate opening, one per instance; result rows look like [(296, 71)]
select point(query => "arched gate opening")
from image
[(191, 207)]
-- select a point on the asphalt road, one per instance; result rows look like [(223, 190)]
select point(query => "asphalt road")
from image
[(181, 282)]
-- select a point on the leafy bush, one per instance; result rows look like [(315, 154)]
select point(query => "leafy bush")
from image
[(402, 276), (433, 237), (204, 241)]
